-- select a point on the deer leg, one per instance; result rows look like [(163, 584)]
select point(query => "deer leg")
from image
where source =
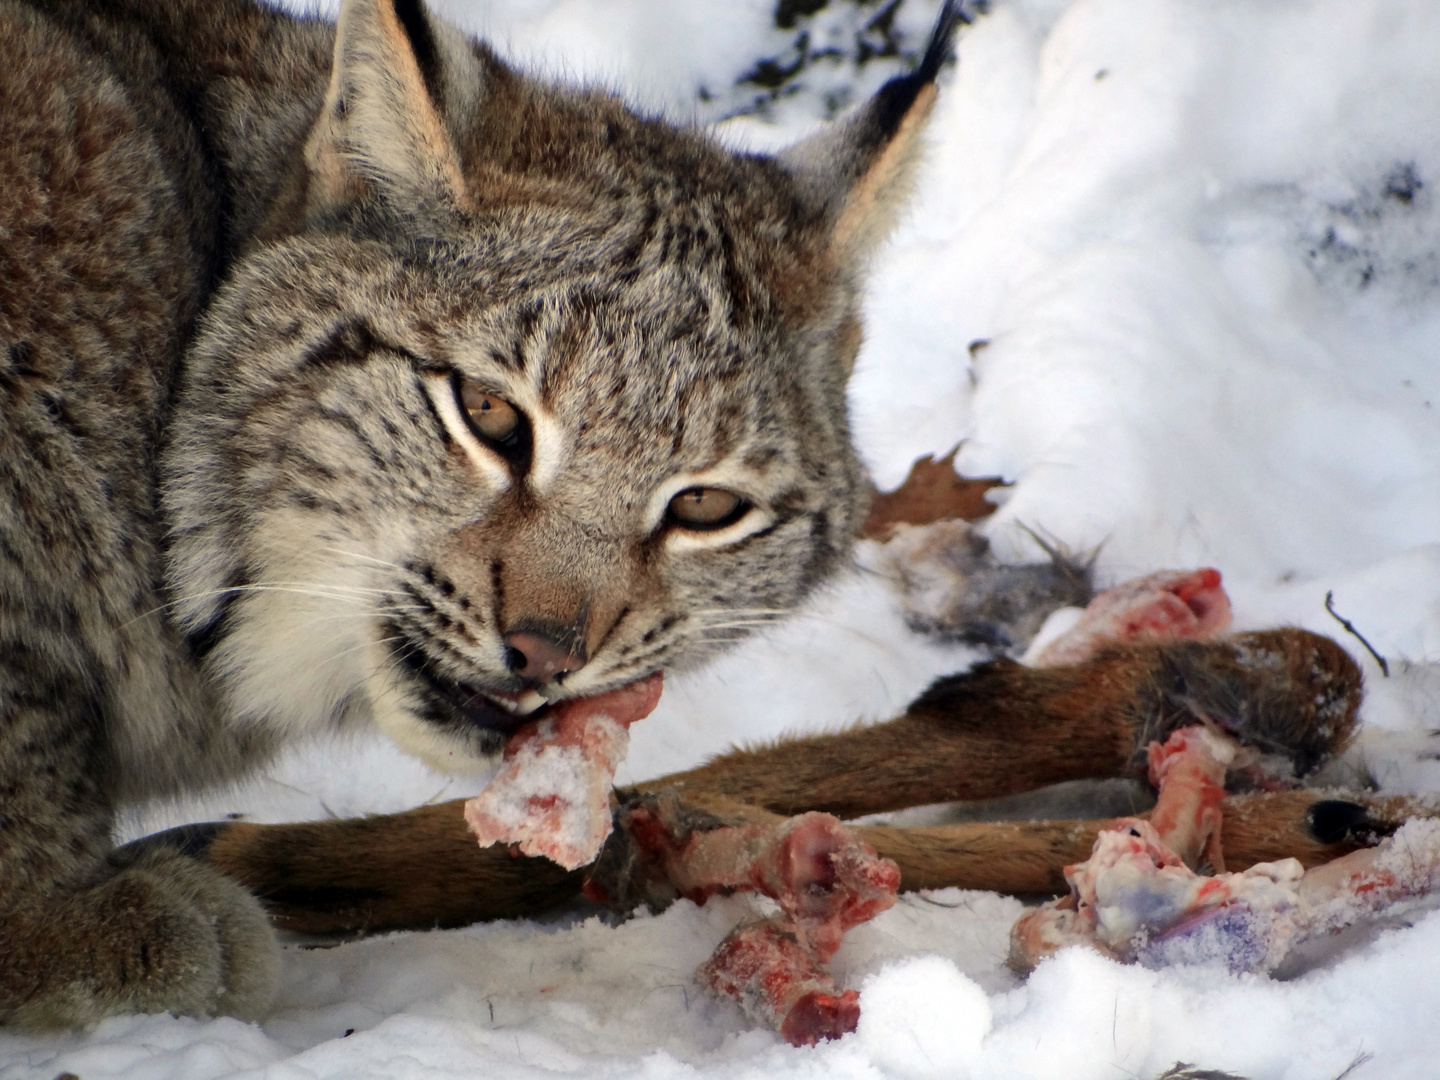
[(1003, 728), (416, 870), (999, 729)]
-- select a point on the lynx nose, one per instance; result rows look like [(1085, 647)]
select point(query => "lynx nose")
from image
[(539, 658)]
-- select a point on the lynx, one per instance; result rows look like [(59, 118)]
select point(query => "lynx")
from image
[(350, 377)]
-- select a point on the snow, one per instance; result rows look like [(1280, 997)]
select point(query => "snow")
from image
[(1201, 242), (922, 1017)]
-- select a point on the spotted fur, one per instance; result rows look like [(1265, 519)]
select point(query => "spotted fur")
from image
[(251, 262)]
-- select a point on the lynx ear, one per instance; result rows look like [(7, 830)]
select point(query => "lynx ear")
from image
[(397, 73), (858, 171)]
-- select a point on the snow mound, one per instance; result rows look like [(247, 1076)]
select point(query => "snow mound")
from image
[(921, 1017)]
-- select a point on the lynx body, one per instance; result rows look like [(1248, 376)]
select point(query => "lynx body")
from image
[(349, 377)]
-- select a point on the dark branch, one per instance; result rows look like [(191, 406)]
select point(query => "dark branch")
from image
[(1350, 628)]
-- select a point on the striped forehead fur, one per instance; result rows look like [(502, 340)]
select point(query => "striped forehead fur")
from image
[(664, 315)]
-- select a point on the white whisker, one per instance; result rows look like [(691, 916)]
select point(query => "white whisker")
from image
[(356, 614), (733, 624), (327, 592), (357, 555), (357, 648)]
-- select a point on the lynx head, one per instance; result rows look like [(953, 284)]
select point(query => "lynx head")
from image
[(517, 395)]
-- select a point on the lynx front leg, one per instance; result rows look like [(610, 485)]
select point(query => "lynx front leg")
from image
[(83, 933)]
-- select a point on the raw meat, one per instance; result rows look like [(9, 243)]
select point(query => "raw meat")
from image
[(824, 878), (777, 982), (1165, 606), (551, 796), (1136, 899)]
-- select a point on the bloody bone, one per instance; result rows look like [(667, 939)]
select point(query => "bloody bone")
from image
[(1189, 770), (551, 796), (1137, 878), (777, 982), (993, 731), (823, 877), (1169, 605), (1136, 898)]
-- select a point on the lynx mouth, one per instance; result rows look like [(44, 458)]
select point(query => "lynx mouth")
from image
[(490, 710)]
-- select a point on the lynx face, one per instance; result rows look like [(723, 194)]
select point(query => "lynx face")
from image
[(521, 398)]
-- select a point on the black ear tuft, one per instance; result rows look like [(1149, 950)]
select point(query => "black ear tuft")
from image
[(942, 40), (858, 173), (893, 100)]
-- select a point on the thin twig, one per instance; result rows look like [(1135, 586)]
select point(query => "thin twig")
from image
[(1360, 1059), (1350, 627)]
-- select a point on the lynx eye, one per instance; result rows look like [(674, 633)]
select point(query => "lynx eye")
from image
[(706, 508), (492, 416)]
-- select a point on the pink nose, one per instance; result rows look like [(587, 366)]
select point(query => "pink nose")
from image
[(538, 658)]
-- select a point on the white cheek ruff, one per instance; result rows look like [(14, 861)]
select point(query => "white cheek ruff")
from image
[(297, 644), (487, 463)]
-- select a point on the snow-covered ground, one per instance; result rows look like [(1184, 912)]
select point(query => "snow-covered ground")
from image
[(1203, 245)]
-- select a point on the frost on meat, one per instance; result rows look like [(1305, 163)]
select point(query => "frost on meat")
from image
[(1139, 896), (551, 796)]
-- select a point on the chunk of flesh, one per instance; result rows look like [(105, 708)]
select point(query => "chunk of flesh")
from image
[(825, 879), (776, 980), (551, 796), (1169, 605), (1136, 899)]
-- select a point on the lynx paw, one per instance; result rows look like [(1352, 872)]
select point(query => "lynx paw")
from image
[(164, 934)]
